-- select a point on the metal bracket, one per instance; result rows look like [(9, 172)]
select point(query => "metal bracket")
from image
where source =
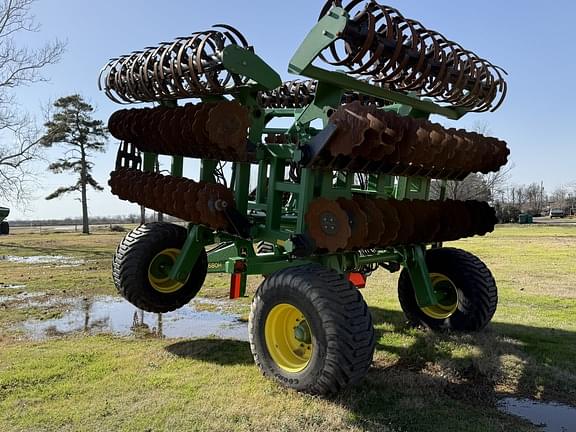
[(315, 146), (240, 224), (415, 263), (198, 237)]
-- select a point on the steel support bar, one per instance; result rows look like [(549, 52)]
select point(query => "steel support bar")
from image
[(415, 263), (380, 257), (207, 168), (262, 265), (244, 62), (198, 238), (242, 187), (304, 197), (177, 167)]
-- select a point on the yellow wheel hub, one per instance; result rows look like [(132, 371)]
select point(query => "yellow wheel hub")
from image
[(447, 296), (159, 269), (288, 338)]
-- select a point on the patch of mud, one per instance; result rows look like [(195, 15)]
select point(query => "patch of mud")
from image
[(59, 260), (12, 287), (551, 417), (109, 315)]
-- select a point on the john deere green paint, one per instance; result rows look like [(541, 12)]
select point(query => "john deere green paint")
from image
[(336, 190)]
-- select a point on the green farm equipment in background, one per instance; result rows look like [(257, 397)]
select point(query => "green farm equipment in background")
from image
[(342, 165), (4, 226)]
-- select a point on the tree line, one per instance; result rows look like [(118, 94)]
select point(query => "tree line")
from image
[(509, 199), (69, 122)]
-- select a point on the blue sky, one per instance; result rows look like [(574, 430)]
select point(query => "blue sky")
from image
[(530, 40)]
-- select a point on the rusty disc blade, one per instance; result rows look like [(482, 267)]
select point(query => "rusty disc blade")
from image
[(227, 127), (407, 228), (328, 225), (358, 224), (376, 226), (392, 221)]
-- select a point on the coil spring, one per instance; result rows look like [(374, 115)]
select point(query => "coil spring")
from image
[(301, 93), (183, 68), (403, 55)]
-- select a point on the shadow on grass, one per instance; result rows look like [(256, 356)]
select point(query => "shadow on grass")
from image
[(219, 351), (425, 381), (535, 361), (439, 382)]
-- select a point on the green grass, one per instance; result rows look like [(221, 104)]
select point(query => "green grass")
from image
[(420, 381)]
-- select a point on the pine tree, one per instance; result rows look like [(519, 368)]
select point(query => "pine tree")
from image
[(72, 125)]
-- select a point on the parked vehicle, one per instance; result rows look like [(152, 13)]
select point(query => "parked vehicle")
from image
[(559, 213), (4, 226)]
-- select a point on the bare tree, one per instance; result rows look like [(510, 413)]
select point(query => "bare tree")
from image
[(471, 188), (559, 197), (535, 198), (481, 187), (19, 66)]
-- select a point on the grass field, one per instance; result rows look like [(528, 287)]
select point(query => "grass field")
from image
[(419, 382)]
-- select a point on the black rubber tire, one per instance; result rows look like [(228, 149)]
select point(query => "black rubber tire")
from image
[(4, 228), (476, 287), (132, 260), (339, 319)]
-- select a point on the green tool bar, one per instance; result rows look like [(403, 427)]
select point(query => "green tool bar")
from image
[(415, 263), (288, 187), (244, 62), (282, 112), (381, 257), (262, 264), (344, 81)]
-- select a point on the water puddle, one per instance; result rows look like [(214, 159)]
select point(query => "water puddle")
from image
[(551, 417), (61, 261), (21, 297), (116, 316)]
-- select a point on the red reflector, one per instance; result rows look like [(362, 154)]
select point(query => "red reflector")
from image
[(357, 279), (235, 285)]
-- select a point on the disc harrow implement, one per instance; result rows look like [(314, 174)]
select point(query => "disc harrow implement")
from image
[(206, 130), (314, 183), (403, 55), (197, 202), (365, 223), (369, 140)]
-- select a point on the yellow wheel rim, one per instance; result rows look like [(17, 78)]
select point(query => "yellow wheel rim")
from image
[(447, 296), (288, 338), (159, 269)]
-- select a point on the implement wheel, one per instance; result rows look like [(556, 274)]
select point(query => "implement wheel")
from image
[(311, 330), (143, 261), (464, 286)]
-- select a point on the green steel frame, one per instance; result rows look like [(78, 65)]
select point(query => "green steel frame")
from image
[(272, 219)]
